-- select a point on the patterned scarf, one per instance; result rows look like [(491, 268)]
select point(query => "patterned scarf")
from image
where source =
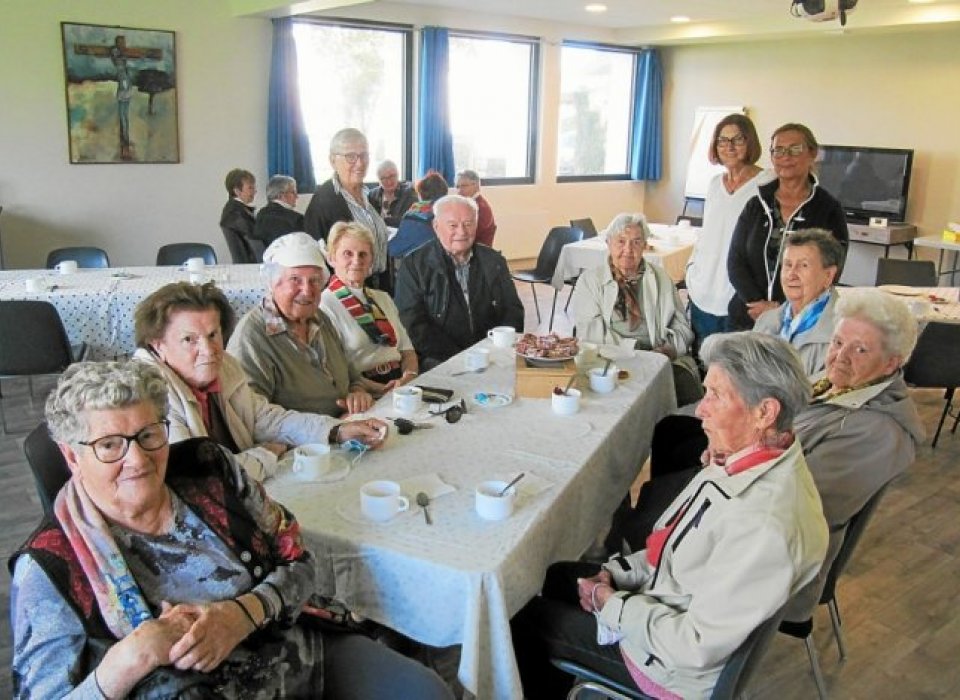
[(792, 326), (370, 316), (203, 398), (119, 598), (628, 293)]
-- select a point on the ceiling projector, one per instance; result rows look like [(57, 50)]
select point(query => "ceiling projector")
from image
[(823, 10)]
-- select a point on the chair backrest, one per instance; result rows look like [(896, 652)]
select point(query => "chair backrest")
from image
[(558, 237), (242, 249), (743, 663), (932, 363), (179, 253), (694, 220), (914, 273), (585, 225), (855, 528), (86, 256), (32, 339), (50, 470)]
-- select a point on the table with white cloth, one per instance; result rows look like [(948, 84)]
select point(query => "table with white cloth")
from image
[(461, 579), (96, 305), (670, 248), (926, 303)]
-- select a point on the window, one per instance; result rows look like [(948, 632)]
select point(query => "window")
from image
[(493, 89), (355, 75), (596, 113)]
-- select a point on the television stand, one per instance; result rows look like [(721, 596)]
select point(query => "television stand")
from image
[(890, 235)]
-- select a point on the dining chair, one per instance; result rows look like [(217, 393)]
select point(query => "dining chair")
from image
[(179, 253), (558, 237), (694, 220), (828, 596), (85, 256), (934, 365), (913, 273), (33, 342), (50, 470), (243, 250), (733, 680), (585, 225)]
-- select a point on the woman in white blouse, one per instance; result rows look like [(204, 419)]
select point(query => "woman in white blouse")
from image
[(375, 341)]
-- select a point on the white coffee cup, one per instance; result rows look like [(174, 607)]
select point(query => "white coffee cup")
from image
[(603, 383), (407, 399), (195, 264), (381, 500), (67, 267), (35, 284), (502, 336), (565, 404), (490, 504), (476, 358), (311, 462)]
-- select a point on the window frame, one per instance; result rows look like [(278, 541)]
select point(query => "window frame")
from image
[(533, 102), (407, 31), (610, 48)]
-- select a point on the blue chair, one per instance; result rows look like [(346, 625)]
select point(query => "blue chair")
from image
[(86, 256), (734, 677), (179, 253)]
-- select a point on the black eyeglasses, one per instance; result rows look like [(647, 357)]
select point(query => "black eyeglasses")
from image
[(453, 413), (352, 158), (113, 448), (735, 141), (794, 150)]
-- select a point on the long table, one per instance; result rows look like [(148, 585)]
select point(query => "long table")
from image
[(670, 247), (96, 306), (460, 580)]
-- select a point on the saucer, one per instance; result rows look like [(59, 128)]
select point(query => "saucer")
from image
[(339, 469), (487, 399), (349, 510)]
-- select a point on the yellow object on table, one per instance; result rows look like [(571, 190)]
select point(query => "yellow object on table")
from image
[(951, 236)]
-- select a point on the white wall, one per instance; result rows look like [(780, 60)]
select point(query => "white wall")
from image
[(888, 90), (129, 209)]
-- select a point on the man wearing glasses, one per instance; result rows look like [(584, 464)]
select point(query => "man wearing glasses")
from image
[(344, 198), (392, 198)]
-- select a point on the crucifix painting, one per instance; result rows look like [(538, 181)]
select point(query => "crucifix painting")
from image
[(121, 94)]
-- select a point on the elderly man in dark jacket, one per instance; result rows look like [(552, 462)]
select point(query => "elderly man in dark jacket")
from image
[(279, 217), (451, 291)]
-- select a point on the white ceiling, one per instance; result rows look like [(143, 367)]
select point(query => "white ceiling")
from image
[(648, 21)]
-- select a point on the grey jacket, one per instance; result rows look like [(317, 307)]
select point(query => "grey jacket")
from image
[(812, 344)]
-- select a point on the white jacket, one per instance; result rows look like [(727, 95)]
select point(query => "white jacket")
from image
[(251, 419), (744, 545)]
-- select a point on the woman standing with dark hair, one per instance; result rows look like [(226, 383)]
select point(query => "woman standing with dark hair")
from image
[(793, 201), (736, 146)]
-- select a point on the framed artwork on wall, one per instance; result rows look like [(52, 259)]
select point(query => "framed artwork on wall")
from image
[(121, 90)]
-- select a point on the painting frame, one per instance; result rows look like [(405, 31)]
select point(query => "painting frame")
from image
[(120, 86)]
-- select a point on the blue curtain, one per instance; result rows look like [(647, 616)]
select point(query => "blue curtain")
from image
[(288, 146), (434, 138), (645, 157)]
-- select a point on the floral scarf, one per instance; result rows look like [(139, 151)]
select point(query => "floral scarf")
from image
[(628, 294)]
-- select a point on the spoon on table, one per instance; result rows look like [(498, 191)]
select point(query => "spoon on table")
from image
[(513, 483), (423, 500), (606, 367), (566, 389), (478, 370)]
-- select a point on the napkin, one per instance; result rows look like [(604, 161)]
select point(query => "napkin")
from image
[(529, 486), (430, 484)]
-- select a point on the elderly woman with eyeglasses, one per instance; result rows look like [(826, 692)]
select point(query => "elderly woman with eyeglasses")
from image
[(793, 201), (745, 535), (632, 302), (344, 197), (166, 571)]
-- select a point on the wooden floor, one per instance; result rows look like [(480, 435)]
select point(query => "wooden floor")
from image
[(900, 598)]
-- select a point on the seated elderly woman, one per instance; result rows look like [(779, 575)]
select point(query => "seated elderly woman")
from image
[(166, 571), (416, 227), (289, 349), (180, 329), (376, 343), (860, 431), (744, 536), (811, 259), (631, 299)]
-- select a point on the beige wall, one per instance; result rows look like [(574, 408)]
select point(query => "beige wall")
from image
[(129, 210), (889, 90)]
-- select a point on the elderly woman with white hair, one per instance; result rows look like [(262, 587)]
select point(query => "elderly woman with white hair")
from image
[(288, 348), (344, 197), (729, 551), (375, 341), (630, 300)]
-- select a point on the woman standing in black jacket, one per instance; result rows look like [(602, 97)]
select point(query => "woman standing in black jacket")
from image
[(793, 201)]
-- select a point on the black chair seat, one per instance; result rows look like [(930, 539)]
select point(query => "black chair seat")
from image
[(179, 253), (558, 237), (913, 273), (530, 276), (933, 365), (85, 256)]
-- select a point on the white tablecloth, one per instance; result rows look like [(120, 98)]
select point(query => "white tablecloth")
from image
[(460, 580), (96, 306), (926, 303), (671, 248)]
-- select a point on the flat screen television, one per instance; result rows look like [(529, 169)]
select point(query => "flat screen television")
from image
[(869, 182)]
